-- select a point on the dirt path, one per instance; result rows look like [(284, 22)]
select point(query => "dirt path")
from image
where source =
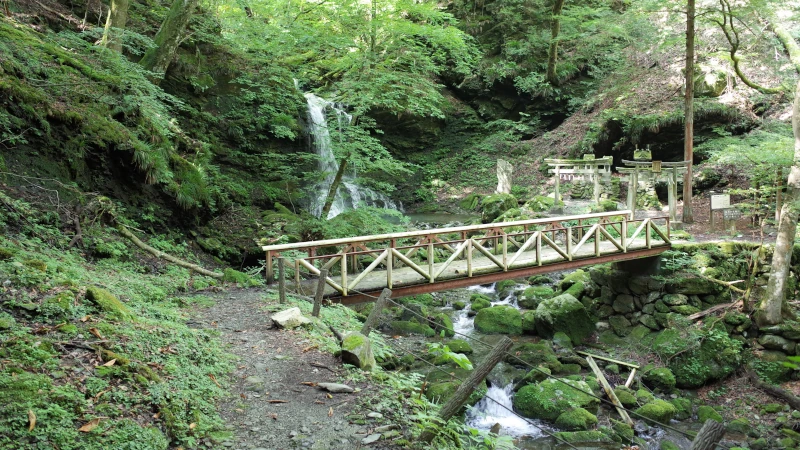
[(271, 365)]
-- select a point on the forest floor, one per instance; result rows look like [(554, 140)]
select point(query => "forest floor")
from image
[(273, 403)]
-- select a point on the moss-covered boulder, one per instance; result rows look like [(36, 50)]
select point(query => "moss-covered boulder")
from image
[(357, 351), (499, 320), (533, 354), (459, 305), (698, 355), (412, 327), (536, 280), (550, 398), (532, 296), (505, 288), (443, 324), (564, 313), (479, 302), (529, 322), (583, 437), (108, 303), (536, 375), (540, 203), (470, 202), (493, 206), (705, 412), (58, 306), (626, 396), (661, 379), (6, 321), (659, 410), (578, 276), (441, 391), (577, 419), (6, 253), (459, 346), (683, 406)]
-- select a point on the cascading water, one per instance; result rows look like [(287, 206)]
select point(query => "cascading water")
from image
[(349, 195), (495, 407)]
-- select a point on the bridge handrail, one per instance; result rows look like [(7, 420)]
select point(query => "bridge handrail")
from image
[(409, 234)]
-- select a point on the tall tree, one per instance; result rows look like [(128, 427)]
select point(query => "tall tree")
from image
[(771, 310), (115, 25), (168, 38), (688, 137), (552, 53)]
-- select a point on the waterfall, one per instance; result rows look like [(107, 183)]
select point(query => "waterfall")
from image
[(349, 195), (488, 412)]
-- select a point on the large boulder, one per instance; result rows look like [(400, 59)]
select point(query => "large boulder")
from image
[(659, 410), (550, 398), (563, 313), (532, 296), (357, 351), (499, 320), (577, 419), (289, 318), (493, 206), (529, 354), (697, 356)]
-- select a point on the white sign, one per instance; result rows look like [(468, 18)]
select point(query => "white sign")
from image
[(720, 201)]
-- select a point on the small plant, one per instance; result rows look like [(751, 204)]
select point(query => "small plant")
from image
[(441, 351)]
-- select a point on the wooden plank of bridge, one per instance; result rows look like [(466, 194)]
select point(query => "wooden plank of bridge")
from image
[(466, 388), (607, 387), (376, 311)]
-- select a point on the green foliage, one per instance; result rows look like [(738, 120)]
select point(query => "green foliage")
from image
[(442, 352)]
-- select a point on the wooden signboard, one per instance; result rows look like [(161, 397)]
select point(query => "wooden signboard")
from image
[(722, 201), (731, 214)]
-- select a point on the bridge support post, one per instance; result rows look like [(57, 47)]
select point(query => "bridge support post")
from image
[(376, 312), (466, 388), (281, 280), (323, 274)]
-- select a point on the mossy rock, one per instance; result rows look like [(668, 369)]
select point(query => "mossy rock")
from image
[(740, 425), (459, 305), (576, 290), (412, 327), (622, 430), (7, 322), (582, 437), (58, 306), (683, 406), (443, 325), (564, 313), (470, 202), (548, 399), (661, 379), (604, 206), (440, 392), (35, 264), (505, 288), (493, 206), (643, 396), (707, 354), (705, 412), (578, 276), (499, 320), (659, 410), (533, 376), (421, 299), (532, 296), (459, 346), (538, 280), (108, 303), (540, 203), (529, 322), (577, 419), (625, 396), (533, 354), (67, 329), (570, 369)]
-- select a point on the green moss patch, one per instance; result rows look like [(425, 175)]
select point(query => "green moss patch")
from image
[(108, 303), (499, 320), (550, 398)]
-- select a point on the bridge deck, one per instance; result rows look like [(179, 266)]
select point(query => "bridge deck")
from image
[(407, 281), (424, 261)]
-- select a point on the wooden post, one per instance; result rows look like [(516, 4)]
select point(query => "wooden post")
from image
[(596, 179), (557, 194), (672, 193), (708, 436), (268, 270), (609, 391), (281, 281), (466, 388), (323, 274), (376, 311)]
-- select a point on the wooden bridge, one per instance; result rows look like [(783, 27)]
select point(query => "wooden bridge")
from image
[(425, 261)]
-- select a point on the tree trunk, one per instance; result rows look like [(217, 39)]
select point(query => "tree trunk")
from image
[(168, 38), (326, 209), (708, 436), (688, 149), (552, 54), (115, 25), (769, 311)]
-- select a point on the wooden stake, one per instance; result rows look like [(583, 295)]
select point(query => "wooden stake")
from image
[(323, 274), (376, 311), (607, 387), (281, 280), (466, 388)]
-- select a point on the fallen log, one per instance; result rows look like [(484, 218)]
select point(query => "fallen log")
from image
[(123, 230)]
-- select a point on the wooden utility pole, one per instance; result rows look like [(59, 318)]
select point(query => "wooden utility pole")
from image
[(281, 281), (688, 149), (323, 274), (466, 388), (377, 309)]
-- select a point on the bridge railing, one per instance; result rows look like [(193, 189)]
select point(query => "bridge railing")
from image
[(448, 253)]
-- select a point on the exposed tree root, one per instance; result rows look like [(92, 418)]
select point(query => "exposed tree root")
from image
[(774, 391)]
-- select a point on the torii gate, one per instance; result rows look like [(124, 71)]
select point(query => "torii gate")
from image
[(580, 169), (655, 171)]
